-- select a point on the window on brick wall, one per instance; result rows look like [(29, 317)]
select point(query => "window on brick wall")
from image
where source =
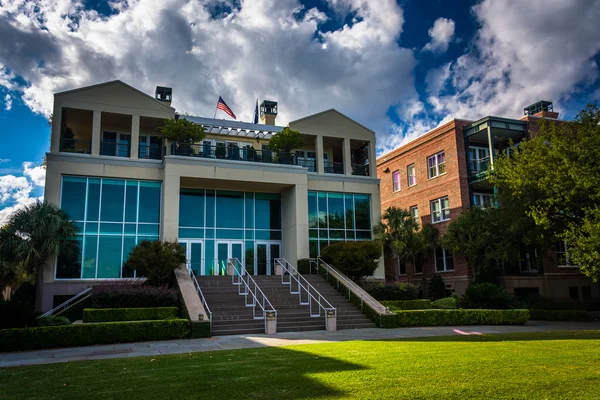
[(483, 200), (414, 213), (574, 292), (586, 292), (418, 267), (412, 175), (440, 210), (401, 266), (436, 165), (562, 254), (444, 260), (396, 180)]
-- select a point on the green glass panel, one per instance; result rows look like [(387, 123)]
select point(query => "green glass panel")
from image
[(130, 229), (148, 229), (109, 256), (267, 210), (261, 258), (68, 266), (249, 234), (322, 245), (313, 215), (313, 248), (249, 205), (191, 207), (93, 200), (191, 233), (230, 209), (313, 233), (210, 208), (150, 238), (131, 201), (230, 234), (268, 235), (91, 228), (210, 233), (363, 235), (249, 255), (73, 197), (323, 234), (362, 211), (322, 207), (113, 193), (90, 249), (128, 245), (196, 257), (335, 215), (222, 256), (111, 229), (149, 202), (337, 234), (79, 226), (236, 251), (350, 235), (349, 202), (209, 257)]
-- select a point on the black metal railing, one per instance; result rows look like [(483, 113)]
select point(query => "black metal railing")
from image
[(76, 146), (309, 163), (115, 149), (360, 169), (332, 167), (479, 167), (151, 152), (233, 153)]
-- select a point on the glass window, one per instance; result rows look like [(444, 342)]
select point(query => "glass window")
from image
[(322, 203), (249, 202), (401, 267), (73, 197), (436, 164), (482, 200), (210, 209), (191, 207), (313, 216), (93, 199), (335, 202), (440, 210), (412, 175), (396, 180), (128, 245), (109, 256), (362, 210), (562, 254), (131, 201), (230, 209), (349, 200), (267, 210), (113, 196), (444, 260), (90, 252), (149, 202), (414, 213), (68, 265)]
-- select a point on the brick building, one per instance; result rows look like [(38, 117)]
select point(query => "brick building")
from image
[(446, 170)]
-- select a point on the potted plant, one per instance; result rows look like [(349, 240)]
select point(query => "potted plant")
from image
[(284, 142), (182, 132)]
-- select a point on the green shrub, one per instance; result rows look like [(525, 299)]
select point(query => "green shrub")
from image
[(387, 321), (487, 296), (395, 291), (200, 329), (559, 315), (53, 320), (128, 314), (436, 287), (286, 140), (156, 260), (421, 304), (13, 315), (445, 303), (355, 259), (461, 317), (128, 295), (91, 334)]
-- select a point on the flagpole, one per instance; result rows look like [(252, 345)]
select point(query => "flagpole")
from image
[(216, 108)]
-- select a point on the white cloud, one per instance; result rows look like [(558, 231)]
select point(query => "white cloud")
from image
[(441, 34), (436, 79), (14, 188), (4, 160), (36, 174), (7, 102)]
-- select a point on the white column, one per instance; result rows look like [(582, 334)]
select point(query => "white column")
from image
[(319, 151), (347, 157), (170, 207), (56, 124), (96, 127), (373, 158), (135, 136)]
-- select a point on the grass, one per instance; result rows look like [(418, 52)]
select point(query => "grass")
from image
[(556, 365)]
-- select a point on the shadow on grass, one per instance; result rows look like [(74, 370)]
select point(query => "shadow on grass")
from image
[(506, 337), (264, 373)]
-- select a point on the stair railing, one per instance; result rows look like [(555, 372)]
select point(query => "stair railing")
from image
[(253, 295), (352, 287), (199, 291), (307, 293), (79, 297)]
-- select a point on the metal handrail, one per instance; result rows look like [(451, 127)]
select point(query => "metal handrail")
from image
[(302, 284), (352, 287), (236, 153), (247, 286), (62, 307), (199, 291)]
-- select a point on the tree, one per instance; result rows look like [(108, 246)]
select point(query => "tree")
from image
[(156, 261), (555, 177), (286, 140), (355, 259), (36, 233), (182, 131), (11, 270)]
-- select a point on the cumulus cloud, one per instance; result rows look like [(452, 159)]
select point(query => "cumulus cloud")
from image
[(4, 160), (36, 174), (7, 102), (441, 34), (16, 191)]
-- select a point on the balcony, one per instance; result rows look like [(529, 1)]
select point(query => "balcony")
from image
[(309, 163), (76, 146), (151, 152), (233, 153), (332, 167), (479, 170), (115, 149), (360, 169)]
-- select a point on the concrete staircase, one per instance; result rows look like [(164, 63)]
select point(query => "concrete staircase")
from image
[(232, 317)]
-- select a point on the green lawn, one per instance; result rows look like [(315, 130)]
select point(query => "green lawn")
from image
[(558, 365)]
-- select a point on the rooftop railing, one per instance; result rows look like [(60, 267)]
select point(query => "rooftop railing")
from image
[(115, 149), (332, 167), (233, 153), (360, 169), (151, 152), (76, 146)]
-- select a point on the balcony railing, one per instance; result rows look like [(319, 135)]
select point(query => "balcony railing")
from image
[(233, 153), (479, 168), (333, 167), (309, 163), (115, 149), (76, 146), (360, 169), (151, 152)]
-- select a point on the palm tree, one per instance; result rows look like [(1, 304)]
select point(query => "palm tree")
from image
[(11, 271), (33, 235)]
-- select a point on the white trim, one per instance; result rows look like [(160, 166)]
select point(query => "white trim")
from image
[(408, 175), (436, 165), (444, 256), (441, 210), (394, 181)]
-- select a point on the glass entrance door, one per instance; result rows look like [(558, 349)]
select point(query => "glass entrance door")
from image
[(266, 253), (195, 256), (225, 250)]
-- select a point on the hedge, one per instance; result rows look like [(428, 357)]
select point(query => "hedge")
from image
[(461, 317), (129, 314), (92, 334), (421, 304), (200, 329), (560, 315)]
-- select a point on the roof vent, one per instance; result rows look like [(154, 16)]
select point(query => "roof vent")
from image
[(164, 94)]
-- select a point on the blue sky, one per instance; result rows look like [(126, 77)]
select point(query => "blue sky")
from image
[(399, 67)]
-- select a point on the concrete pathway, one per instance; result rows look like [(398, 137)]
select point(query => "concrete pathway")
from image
[(261, 340)]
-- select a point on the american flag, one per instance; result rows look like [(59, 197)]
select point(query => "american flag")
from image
[(221, 105)]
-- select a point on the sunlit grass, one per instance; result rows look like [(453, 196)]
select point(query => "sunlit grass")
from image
[(559, 365)]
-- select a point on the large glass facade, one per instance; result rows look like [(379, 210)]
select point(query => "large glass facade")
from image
[(113, 215), (222, 219), (336, 217)]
